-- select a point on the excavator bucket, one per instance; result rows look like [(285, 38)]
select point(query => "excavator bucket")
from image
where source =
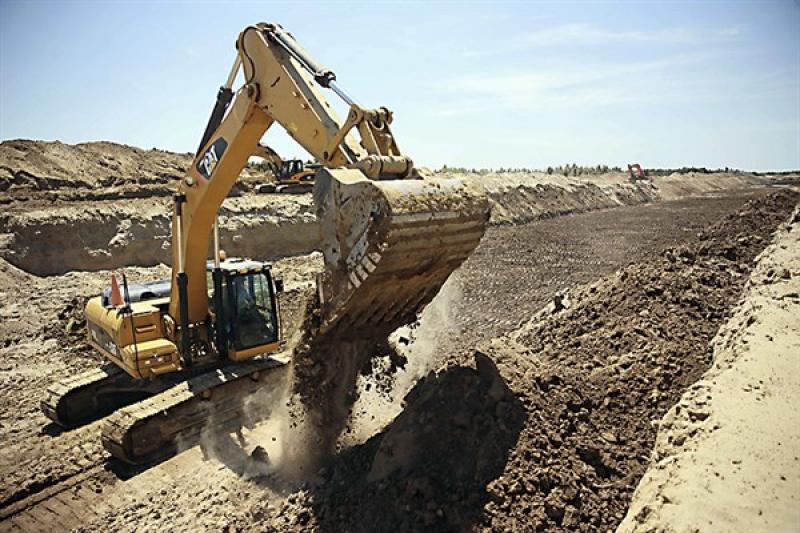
[(389, 246)]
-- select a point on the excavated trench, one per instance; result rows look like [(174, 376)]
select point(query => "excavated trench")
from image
[(551, 430), (103, 235), (513, 273)]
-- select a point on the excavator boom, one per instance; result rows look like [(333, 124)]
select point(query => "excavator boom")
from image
[(390, 236)]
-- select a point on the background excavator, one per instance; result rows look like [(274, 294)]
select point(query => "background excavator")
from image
[(188, 349), (290, 176), (636, 173)]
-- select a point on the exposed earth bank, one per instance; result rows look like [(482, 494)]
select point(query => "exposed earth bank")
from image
[(726, 456), (96, 206), (548, 425), (547, 428), (557, 435)]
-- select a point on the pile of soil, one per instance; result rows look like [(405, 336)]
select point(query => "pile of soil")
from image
[(725, 458), (41, 170), (559, 437)]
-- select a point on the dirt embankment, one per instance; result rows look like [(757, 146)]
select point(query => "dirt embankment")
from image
[(102, 206), (45, 172), (726, 456), (558, 436), (107, 235), (196, 492)]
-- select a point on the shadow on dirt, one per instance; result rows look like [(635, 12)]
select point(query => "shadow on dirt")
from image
[(430, 467), (427, 470), (51, 429)]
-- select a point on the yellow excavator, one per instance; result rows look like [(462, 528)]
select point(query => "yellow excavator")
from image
[(187, 350), (290, 176)]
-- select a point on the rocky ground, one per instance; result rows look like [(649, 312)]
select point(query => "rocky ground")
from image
[(524, 419)]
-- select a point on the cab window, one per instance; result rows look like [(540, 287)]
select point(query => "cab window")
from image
[(254, 313)]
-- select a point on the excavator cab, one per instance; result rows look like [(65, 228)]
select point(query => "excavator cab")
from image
[(294, 170), (248, 319)]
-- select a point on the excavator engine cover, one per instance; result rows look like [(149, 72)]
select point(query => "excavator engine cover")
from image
[(390, 245)]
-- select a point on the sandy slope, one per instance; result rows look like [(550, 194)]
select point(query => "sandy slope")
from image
[(726, 458)]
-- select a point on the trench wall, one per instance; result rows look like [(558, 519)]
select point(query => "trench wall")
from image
[(110, 234)]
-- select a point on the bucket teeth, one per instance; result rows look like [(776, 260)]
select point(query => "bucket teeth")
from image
[(389, 246)]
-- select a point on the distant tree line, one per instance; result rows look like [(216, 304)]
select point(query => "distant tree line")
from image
[(573, 169), (569, 169)]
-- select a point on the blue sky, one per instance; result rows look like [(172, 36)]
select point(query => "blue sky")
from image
[(501, 84)]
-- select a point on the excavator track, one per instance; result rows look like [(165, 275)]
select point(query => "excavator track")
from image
[(155, 428), (95, 393)]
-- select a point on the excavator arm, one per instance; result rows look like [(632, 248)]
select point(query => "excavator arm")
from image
[(369, 196), (270, 156)]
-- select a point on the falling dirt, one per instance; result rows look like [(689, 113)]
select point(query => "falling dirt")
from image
[(325, 372)]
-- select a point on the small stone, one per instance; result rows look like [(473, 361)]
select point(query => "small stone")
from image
[(260, 454), (608, 437), (303, 517), (555, 510), (570, 519)]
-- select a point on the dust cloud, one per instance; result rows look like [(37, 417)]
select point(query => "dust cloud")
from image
[(377, 403), (337, 394)]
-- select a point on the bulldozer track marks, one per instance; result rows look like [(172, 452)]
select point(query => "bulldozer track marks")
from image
[(62, 506), (90, 494)]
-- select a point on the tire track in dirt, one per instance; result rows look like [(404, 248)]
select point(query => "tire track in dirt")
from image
[(517, 270)]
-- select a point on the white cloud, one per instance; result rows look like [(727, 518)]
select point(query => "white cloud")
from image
[(575, 87), (591, 35)]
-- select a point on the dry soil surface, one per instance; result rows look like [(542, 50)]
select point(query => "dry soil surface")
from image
[(555, 435), (558, 433), (547, 426), (41, 172), (726, 456)]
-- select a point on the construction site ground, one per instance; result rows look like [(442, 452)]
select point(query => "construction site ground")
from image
[(539, 382), (548, 465)]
